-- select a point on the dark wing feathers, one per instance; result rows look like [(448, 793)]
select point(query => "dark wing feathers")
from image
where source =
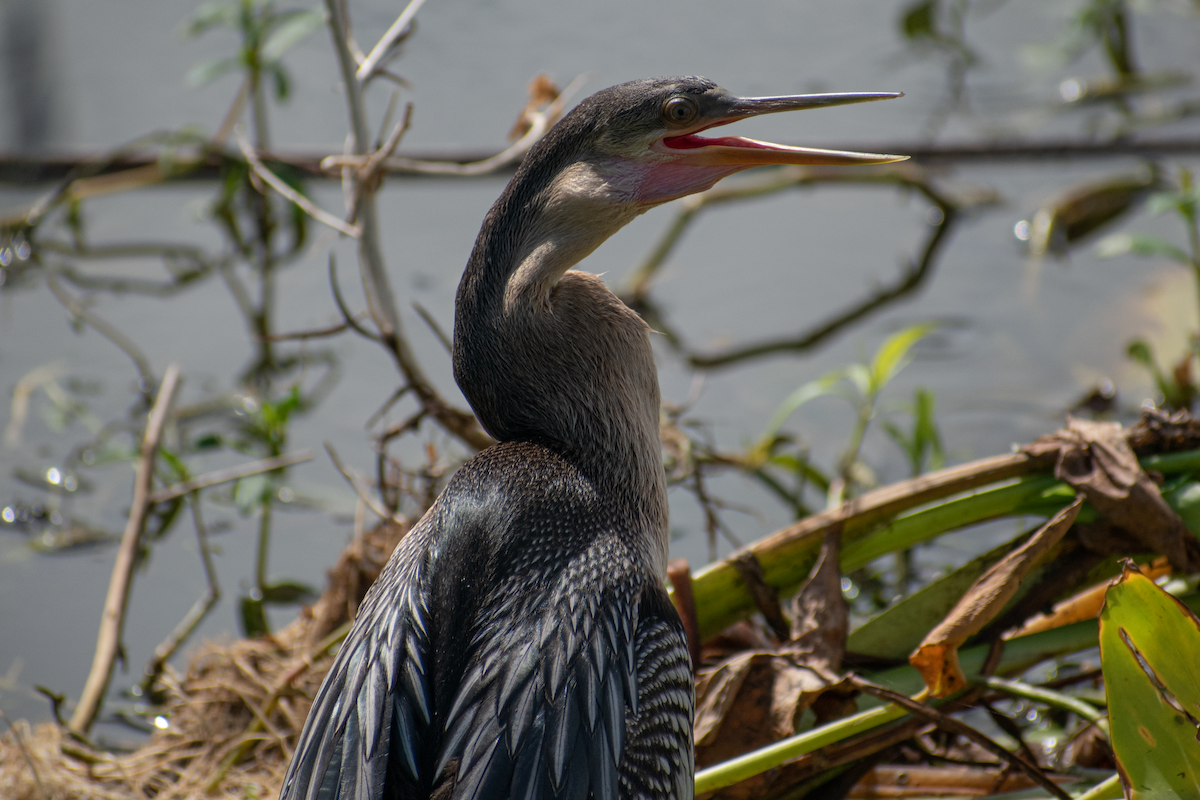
[(655, 765), (371, 716), (557, 671)]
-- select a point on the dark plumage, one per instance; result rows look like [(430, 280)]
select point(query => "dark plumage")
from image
[(520, 643)]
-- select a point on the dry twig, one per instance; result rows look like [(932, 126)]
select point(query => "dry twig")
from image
[(278, 184), (952, 725), (113, 619), (231, 474)]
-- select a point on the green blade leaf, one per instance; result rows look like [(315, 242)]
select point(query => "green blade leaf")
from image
[(288, 593), (1148, 647), (809, 391), (209, 71), (290, 31), (211, 15), (893, 354), (1140, 244)]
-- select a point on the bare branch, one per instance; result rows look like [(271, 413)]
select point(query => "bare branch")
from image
[(196, 614), (106, 330), (277, 183), (385, 43), (362, 493), (539, 121), (231, 474), (380, 298), (113, 619), (952, 725)]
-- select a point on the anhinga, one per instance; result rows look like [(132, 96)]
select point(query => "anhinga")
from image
[(520, 642)]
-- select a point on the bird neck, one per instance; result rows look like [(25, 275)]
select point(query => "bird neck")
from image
[(551, 356)]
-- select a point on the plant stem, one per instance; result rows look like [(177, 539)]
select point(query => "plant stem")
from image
[(264, 540), (739, 769), (788, 554), (1051, 698)]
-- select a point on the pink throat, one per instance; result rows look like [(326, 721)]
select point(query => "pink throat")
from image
[(691, 142)]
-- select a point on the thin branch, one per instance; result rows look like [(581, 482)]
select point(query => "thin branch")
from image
[(238, 290), (316, 333), (387, 404), (350, 319), (362, 493), (371, 172), (199, 610), (231, 474), (126, 345), (380, 299), (637, 290), (539, 121), (385, 43), (913, 278), (24, 170), (952, 725), (424, 314), (113, 619), (379, 292), (278, 184), (1040, 694)]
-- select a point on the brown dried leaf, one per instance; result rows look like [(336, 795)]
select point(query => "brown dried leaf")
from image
[(1096, 459), (821, 618), (716, 689), (756, 697), (937, 656)]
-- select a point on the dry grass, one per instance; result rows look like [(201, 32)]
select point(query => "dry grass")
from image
[(234, 714)]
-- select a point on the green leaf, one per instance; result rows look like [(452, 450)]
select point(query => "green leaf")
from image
[(251, 492), (209, 71), (919, 20), (907, 446), (1184, 499), (802, 468), (1140, 352), (290, 28), (212, 15), (926, 434), (208, 441), (859, 376), (809, 391), (254, 617), (283, 85), (1140, 244), (178, 468), (1149, 643), (892, 355), (288, 593)]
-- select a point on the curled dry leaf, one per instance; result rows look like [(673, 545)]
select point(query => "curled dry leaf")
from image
[(1083, 605), (937, 656), (1096, 459)]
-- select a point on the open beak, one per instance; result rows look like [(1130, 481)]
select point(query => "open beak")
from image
[(730, 151)]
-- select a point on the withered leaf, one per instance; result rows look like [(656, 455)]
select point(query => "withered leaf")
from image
[(756, 697), (936, 658), (1096, 459)]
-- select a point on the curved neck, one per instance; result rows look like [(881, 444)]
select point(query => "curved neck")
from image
[(553, 357)]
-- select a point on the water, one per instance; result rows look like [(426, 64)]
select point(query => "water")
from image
[(1020, 341)]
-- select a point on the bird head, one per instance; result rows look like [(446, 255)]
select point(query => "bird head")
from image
[(648, 137)]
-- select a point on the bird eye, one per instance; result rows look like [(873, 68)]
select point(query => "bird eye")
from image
[(680, 111)]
